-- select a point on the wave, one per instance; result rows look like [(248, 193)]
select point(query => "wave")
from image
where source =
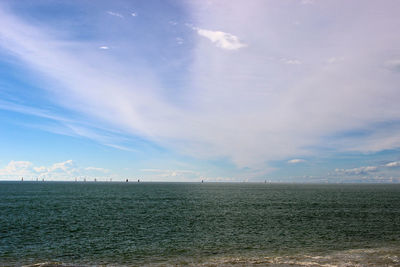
[(53, 264), (346, 258), (353, 257)]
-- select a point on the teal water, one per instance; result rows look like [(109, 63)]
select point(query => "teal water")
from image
[(136, 224)]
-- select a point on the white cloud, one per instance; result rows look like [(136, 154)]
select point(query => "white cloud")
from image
[(393, 64), (393, 164), (179, 40), (115, 14), (358, 171), (291, 61), (68, 166), (133, 14), (387, 173), (294, 161), (104, 47), (40, 169), (238, 106), (383, 170), (307, 2), (333, 60), (67, 170), (17, 169), (221, 39)]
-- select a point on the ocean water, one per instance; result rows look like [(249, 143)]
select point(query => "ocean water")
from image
[(188, 224)]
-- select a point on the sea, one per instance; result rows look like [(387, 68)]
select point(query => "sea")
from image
[(198, 224)]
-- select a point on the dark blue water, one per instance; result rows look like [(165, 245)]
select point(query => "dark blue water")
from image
[(137, 224)]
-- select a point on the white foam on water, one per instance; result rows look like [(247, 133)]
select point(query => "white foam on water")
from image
[(385, 256), (346, 258), (62, 264), (45, 264)]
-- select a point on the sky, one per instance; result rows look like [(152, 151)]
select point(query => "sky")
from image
[(184, 91)]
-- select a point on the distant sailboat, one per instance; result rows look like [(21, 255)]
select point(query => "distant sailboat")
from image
[(22, 179)]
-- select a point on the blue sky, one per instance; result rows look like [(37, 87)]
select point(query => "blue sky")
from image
[(287, 91)]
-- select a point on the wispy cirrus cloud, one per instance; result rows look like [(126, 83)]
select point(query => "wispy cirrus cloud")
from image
[(291, 61), (115, 14), (333, 60), (70, 126), (242, 106), (179, 40)]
